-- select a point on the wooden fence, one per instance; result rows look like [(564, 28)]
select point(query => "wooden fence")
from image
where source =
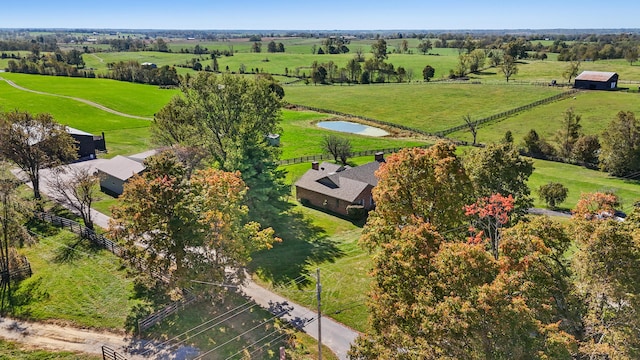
[(81, 230), (308, 158), (110, 354)]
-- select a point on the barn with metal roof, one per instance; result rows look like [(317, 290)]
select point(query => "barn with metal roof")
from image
[(596, 80)]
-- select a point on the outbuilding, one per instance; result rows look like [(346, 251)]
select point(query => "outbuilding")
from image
[(596, 80), (117, 171)]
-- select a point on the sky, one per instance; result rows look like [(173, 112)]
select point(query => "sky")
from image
[(321, 15)]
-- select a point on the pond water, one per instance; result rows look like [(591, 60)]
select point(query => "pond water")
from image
[(353, 128)]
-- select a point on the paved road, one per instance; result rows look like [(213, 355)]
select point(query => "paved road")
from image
[(335, 336)]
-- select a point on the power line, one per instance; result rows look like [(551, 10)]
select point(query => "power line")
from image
[(237, 336), (205, 323), (266, 336)]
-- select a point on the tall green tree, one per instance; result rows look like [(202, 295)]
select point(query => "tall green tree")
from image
[(353, 69), (620, 141), (428, 72), (631, 54), (425, 46), (379, 50), (34, 142), (568, 132), (508, 66), (230, 117), (499, 169), (553, 193), (587, 149)]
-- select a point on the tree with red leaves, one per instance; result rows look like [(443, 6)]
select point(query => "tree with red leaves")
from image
[(489, 215)]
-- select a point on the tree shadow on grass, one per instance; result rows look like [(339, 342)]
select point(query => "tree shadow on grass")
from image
[(68, 253), (303, 243), (29, 292)]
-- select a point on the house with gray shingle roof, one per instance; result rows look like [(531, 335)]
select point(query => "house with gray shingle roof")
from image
[(335, 187)]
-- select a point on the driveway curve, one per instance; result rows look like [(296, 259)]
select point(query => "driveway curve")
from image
[(85, 101)]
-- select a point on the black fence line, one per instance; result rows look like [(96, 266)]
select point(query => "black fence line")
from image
[(303, 159), (510, 112), (110, 354)]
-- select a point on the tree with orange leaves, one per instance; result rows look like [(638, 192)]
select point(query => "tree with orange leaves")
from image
[(192, 228), (436, 296), (597, 205)]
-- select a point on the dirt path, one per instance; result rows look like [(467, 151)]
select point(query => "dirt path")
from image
[(63, 338), (88, 102)]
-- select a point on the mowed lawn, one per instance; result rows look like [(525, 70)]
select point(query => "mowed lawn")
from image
[(596, 109), (429, 107), (580, 180)]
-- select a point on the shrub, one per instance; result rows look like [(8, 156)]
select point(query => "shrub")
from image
[(553, 193), (356, 212)]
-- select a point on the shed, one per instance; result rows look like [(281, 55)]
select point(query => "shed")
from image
[(596, 80), (115, 172)]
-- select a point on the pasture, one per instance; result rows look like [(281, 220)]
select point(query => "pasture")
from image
[(596, 108), (123, 135), (428, 107)]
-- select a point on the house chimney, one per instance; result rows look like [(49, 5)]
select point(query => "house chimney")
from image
[(379, 156), (315, 165)]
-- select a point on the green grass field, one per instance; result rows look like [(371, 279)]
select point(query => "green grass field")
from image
[(428, 107), (74, 283), (580, 180), (129, 98), (596, 108)]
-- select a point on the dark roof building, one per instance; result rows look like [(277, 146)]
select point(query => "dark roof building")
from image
[(596, 80), (335, 187)]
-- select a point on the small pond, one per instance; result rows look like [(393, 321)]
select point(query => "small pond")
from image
[(353, 128)]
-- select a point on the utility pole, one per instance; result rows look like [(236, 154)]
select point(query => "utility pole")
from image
[(318, 296)]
